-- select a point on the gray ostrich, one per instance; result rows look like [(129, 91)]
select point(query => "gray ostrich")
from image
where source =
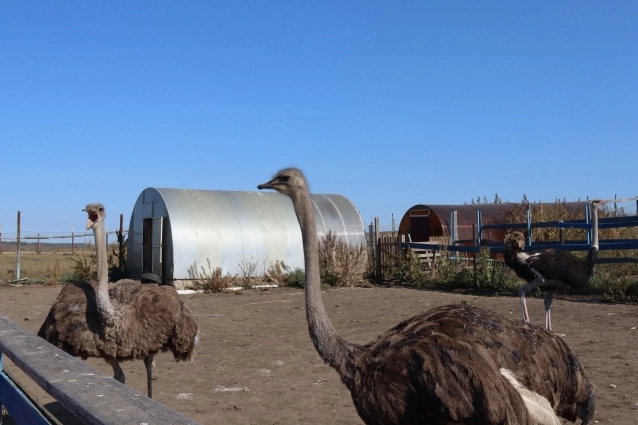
[(550, 269), (452, 364), (131, 321)]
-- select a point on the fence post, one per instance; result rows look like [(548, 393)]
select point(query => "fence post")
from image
[(18, 250), (587, 215), (562, 234), (377, 246), (121, 241), (1, 237), (72, 241), (38, 250), (529, 226), (393, 225), (453, 227), (479, 238), (474, 254), (371, 248)]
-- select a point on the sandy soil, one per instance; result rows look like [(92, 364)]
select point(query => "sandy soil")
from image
[(256, 364)]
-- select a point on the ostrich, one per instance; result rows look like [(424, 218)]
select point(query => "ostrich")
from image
[(131, 321), (452, 364), (550, 269)]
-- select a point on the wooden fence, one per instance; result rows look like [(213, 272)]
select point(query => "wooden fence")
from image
[(92, 396), (386, 247)]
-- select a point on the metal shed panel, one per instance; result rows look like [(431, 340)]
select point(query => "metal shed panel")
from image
[(228, 227)]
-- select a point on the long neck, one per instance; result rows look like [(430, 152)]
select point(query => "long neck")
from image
[(105, 308), (333, 349)]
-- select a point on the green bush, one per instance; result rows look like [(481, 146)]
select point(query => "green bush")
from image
[(493, 276), (296, 278)]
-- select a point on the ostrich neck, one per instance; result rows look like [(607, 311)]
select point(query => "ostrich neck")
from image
[(333, 349), (105, 308)]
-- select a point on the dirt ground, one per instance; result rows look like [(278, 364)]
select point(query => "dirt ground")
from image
[(256, 365)]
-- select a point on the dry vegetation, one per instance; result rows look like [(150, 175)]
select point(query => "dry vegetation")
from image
[(44, 268), (341, 265), (55, 263)]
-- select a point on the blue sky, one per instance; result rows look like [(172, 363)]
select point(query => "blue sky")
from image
[(391, 104)]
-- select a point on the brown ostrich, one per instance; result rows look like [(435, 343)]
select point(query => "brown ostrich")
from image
[(450, 365), (131, 321), (550, 269)]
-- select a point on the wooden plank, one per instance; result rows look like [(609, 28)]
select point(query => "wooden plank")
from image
[(53, 420), (618, 260), (18, 405), (95, 398)]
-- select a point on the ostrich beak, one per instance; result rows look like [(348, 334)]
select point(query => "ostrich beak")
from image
[(267, 185), (92, 218)]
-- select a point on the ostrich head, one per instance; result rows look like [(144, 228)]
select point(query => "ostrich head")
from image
[(96, 213), (515, 240), (288, 181)]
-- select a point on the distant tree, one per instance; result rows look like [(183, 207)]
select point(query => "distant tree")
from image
[(525, 200), (497, 199), (485, 200)]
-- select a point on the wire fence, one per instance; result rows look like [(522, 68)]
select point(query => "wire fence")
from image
[(9, 243)]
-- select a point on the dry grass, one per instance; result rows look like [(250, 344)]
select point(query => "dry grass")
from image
[(48, 267), (211, 280), (341, 264)]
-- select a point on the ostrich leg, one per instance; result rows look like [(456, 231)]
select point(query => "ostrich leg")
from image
[(524, 290), (118, 373), (548, 315), (148, 362)]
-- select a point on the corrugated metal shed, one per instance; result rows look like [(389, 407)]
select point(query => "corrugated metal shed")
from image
[(171, 229), (423, 222)]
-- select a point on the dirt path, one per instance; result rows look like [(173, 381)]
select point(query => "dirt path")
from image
[(256, 364)]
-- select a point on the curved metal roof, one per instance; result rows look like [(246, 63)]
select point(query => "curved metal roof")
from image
[(228, 227)]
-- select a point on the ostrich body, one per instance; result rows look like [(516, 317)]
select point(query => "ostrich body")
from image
[(450, 365), (131, 321), (550, 269)]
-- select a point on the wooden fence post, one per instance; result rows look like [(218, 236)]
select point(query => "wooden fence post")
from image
[(371, 244), (18, 250), (121, 241), (378, 247), (474, 254)]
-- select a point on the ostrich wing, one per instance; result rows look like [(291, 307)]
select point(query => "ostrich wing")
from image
[(446, 363), (564, 266)]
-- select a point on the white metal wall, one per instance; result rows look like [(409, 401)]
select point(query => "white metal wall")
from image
[(227, 227)]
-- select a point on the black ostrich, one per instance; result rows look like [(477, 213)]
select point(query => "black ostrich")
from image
[(550, 269)]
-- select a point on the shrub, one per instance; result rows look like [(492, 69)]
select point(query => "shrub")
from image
[(278, 272), (341, 264), (284, 275), (247, 270), (296, 278), (494, 276), (53, 273), (117, 257), (212, 280), (82, 266)]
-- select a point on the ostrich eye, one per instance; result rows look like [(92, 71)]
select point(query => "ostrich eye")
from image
[(285, 178), (101, 209)]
